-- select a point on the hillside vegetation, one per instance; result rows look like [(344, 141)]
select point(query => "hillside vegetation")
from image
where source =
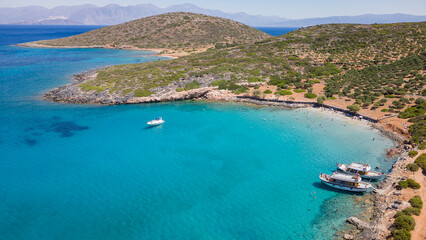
[(179, 30), (358, 61), (372, 66)]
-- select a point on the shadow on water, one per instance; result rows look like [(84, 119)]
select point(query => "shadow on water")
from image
[(153, 126), (65, 128), (30, 142)]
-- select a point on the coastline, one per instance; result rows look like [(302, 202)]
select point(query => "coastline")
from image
[(71, 93), (385, 200)]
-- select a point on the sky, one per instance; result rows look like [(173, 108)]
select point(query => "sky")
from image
[(293, 9)]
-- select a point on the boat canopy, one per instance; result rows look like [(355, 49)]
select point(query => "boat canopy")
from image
[(345, 177), (360, 167)]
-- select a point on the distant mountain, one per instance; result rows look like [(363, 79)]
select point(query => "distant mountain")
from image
[(115, 14), (362, 19)]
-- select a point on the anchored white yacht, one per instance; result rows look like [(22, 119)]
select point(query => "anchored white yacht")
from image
[(156, 122)]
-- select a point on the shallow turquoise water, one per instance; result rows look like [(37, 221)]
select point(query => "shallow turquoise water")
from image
[(212, 171)]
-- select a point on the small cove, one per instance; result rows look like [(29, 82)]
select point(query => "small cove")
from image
[(213, 171)]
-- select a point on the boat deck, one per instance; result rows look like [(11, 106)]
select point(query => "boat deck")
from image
[(345, 177), (359, 167)]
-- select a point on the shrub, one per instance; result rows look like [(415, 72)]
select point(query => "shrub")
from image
[(400, 213), (142, 92), (192, 85), (267, 91), (401, 234), (310, 95), (256, 93), (321, 99), (284, 92), (255, 79), (402, 184), (87, 87), (419, 101), (179, 89), (241, 89), (413, 184), (411, 210), (412, 167), (404, 222), (421, 162), (422, 146), (354, 108), (384, 110), (416, 202), (411, 112), (299, 90), (412, 153)]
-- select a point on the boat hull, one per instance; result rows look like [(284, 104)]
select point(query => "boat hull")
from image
[(371, 177), (155, 123), (346, 188)]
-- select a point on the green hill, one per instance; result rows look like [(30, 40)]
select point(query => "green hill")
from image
[(179, 30), (334, 54)]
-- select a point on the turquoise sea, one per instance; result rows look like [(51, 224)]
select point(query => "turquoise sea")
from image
[(212, 171)]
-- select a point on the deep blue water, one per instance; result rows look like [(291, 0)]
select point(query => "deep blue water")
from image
[(276, 31), (212, 171), (13, 34)]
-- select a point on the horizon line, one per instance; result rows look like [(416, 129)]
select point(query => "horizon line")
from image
[(115, 4)]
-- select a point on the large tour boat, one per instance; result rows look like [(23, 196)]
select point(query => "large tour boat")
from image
[(345, 181), (362, 169)]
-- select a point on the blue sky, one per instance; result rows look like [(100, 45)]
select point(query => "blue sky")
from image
[(284, 8)]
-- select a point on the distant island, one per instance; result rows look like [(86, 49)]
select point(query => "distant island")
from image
[(179, 33), (374, 72)]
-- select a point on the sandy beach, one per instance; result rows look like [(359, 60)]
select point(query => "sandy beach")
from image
[(162, 52)]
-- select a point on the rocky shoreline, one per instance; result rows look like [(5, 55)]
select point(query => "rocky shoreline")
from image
[(72, 93), (386, 203)]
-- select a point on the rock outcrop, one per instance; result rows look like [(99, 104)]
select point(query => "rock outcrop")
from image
[(358, 223)]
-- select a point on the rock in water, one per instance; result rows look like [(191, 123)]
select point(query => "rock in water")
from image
[(358, 223)]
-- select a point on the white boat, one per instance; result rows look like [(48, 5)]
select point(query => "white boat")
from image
[(345, 181), (361, 169), (156, 122)]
